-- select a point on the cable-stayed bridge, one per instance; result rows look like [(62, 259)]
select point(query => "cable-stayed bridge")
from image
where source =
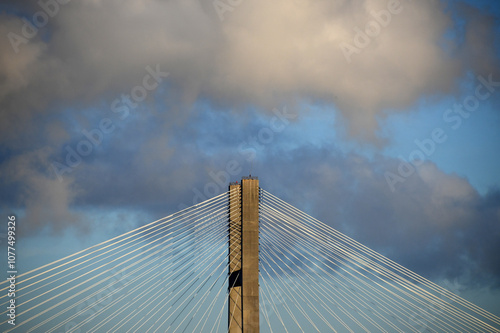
[(242, 261)]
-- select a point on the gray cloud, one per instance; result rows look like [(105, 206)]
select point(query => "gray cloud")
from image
[(261, 56), (436, 224), (44, 201), (91, 51)]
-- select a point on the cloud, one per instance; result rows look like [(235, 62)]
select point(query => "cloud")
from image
[(42, 200), (436, 223), (300, 54), (262, 54), (478, 39)]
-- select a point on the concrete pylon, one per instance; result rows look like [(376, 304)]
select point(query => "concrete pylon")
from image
[(244, 256), (235, 319)]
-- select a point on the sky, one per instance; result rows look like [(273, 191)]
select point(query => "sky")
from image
[(378, 117)]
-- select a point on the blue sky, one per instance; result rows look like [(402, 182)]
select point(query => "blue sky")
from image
[(115, 113), (467, 150)]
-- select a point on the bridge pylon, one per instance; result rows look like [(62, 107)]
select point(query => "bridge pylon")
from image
[(243, 305)]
